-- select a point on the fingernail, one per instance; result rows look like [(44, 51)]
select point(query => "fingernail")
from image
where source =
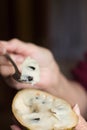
[(77, 110)]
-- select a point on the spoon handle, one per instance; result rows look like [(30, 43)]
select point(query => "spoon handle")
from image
[(13, 63)]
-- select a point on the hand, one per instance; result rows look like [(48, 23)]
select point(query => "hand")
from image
[(51, 79), (19, 51)]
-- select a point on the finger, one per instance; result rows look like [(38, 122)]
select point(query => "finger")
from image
[(6, 70), (82, 124), (2, 49), (16, 45), (14, 127), (11, 45), (3, 60), (20, 47), (16, 58), (6, 67)]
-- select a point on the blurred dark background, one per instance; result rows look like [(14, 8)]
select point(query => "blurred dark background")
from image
[(24, 19), (60, 25)]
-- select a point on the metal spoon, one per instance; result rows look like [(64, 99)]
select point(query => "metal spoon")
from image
[(17, 73)]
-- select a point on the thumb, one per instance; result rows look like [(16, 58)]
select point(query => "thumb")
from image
[(82, 124), (14, 127), (2, 50)]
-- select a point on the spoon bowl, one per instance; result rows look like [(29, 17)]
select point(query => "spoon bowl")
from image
[(30, 71)]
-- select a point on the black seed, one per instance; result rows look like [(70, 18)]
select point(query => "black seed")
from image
[(37, 98), (33, 68), (30, 78), (37, 119), (43, 102)]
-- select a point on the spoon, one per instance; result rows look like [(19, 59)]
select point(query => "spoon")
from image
[(17, 73)]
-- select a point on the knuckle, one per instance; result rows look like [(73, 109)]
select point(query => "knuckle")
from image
[(14, 40)]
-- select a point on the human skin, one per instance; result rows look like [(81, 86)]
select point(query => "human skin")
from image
[(51, 78)]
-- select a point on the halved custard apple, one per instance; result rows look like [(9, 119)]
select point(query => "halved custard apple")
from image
[(38, 110)]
